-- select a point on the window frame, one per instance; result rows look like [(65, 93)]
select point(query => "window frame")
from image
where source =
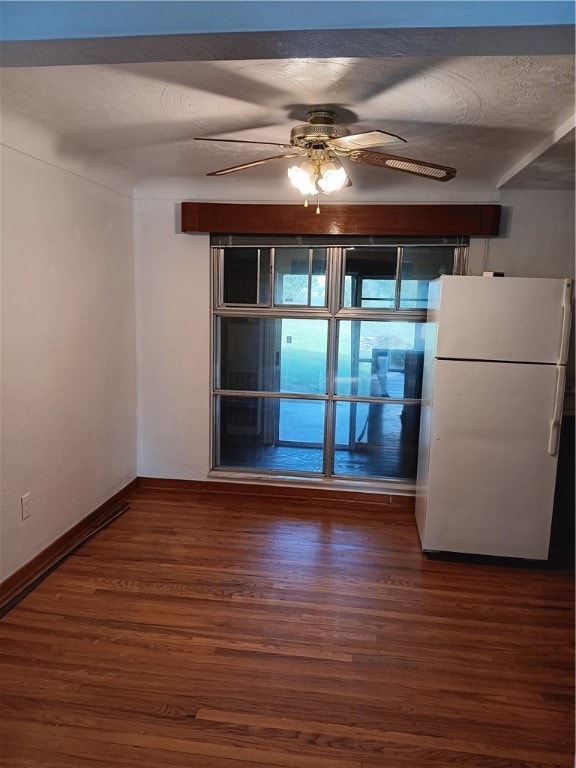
[(333, 312)]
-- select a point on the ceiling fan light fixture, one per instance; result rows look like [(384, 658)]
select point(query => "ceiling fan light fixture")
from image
[(303, 177), (332, 176), (318, 174)]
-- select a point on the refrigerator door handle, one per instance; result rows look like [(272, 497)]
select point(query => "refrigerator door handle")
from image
[(566, 321), (557, 416)]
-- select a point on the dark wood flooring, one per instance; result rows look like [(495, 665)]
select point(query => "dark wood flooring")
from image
[(220, 630)]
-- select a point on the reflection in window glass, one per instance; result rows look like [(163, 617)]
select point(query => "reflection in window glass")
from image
[(246, 276), (273, 354), (370, 278), (301, 421), (270, 434), (280, 380), (383, 440), (303, 353), (380, 358), (300, 277), (420, 264)]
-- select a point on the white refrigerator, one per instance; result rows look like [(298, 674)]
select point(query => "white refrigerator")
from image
[(492, 396)]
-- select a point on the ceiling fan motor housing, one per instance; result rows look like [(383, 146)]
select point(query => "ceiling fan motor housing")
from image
[(318, 130)]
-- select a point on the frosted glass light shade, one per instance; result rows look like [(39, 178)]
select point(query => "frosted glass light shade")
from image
[(303, 177), (318, 175), (333, 177)]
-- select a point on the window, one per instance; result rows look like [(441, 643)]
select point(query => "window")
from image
[(318, 356)]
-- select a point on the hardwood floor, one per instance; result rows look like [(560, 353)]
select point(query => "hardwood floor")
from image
[(226, 630)]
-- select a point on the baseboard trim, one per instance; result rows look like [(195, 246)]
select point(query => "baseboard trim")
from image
[(258, 488), (26, 578)]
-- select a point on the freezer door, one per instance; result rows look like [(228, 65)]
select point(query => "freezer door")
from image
[(502, 318), (489, 485)]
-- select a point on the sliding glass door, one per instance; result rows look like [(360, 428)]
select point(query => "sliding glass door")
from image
[(318, 356)]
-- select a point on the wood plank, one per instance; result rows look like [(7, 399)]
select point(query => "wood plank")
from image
[(394, 220), (239, 630), (286, 491)]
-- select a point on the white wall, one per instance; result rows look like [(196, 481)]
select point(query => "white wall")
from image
[(537, 237), (68, 386), (173, 342)]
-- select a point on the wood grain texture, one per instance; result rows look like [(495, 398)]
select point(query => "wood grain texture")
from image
[(395, 220), (218, 629), (310, 493)]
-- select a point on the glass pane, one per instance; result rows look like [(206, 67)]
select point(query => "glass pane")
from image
[(380, 358), (318, 278), (270, 433), (246, 276), (272, 354), (300, 277), (370, 278), (420, 264), (381, 440), (301, 421), (303, 353)]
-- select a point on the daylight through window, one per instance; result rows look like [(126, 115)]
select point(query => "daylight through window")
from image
[(318, 355)]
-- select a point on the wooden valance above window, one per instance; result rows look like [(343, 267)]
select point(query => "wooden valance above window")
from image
[(465, 220)]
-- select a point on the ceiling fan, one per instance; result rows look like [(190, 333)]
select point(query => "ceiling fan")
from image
[(321, 142)]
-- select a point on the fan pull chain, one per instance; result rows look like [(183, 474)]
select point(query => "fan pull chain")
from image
[(317, 204)]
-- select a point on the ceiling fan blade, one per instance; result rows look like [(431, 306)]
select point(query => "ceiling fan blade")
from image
[(235, 168), (368, 139), (417, 167), (243, 141)]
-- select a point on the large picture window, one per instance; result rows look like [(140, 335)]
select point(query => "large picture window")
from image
[(318, 355)]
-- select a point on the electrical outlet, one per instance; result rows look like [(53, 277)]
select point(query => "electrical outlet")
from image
[(25, 503)]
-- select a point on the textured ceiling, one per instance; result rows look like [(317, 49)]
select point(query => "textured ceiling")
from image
[(502, 120)]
